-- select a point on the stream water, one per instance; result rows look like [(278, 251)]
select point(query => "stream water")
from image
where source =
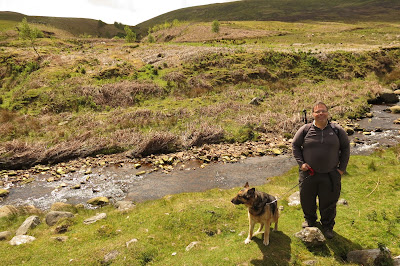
[(123, 183)]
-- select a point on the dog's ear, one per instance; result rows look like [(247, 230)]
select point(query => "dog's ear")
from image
[(246, 185), (251, 191)]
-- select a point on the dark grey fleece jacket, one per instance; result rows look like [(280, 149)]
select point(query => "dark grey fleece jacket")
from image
[(323, 150)]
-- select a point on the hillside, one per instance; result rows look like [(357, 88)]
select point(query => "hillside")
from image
[(74, 26), (284, 10)]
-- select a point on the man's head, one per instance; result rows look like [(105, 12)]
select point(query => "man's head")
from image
[(320, 112)]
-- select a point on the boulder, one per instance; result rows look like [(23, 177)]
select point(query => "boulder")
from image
[(98, 201), (124, 206), (61, 206), (8, 210), (95, 218), (369, 256), (54, 216), (22, 239), (395, 109), (311, 236), (29, 223), (388, 96), (5, 235), (4, 192), (294, 199)]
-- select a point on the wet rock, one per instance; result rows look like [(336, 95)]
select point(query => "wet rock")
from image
[(124, 206), (395, 109), (98, 201), (137, 165), (54, 216), (22, 239), (369, 115), (397, 92), (367, 133), (5, 235), (388, 96), (368, 256), (311, 236), (349, 130), (30, 223), (4, 192), (397, 121), (95, 218), (62, 206), (140, 173)]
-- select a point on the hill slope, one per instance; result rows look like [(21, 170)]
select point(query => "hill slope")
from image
[(285, 10), (75, 26)]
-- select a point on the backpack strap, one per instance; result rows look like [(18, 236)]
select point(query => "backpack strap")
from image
[(306, 129), (334, 128)]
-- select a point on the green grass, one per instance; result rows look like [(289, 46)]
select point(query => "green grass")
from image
[(165, 227)]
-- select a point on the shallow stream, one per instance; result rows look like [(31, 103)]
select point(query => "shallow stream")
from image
[(123, 183)]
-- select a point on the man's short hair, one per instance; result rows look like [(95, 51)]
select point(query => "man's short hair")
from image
[(319, 103)]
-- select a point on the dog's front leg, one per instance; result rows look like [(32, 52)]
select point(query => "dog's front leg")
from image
[(266, 233), (251, 228)]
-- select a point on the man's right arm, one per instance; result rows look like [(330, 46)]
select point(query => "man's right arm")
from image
[(297, 144)]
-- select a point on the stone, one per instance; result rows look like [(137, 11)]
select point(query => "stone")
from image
[(395, 109), (367, 256), (21, 239), (388, 96), (124, 206), (5, 235), (349, 130), (294, 199), (8, 210), (60, 238), (342, 202), (311, 236), (98, 201), (192, 245), (95, 218), (62, 206), (132, 241), (54, 216), (4, 192), (109, 257), (30, 223)]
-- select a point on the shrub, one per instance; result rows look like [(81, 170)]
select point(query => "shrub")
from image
[(157, 143)]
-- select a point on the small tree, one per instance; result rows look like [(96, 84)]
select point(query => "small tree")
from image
[(130, 35), (29, 34), (150, 38), (215, 26)]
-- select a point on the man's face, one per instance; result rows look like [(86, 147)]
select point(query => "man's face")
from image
[(320, 113)]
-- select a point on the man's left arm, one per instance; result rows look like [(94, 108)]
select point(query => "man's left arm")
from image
[(344, 150)]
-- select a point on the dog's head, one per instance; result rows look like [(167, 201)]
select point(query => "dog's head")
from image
[(245, 196)]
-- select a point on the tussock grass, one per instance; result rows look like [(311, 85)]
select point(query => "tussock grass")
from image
[(164, 228)]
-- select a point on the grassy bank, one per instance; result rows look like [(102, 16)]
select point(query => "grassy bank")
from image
[(165, 227)]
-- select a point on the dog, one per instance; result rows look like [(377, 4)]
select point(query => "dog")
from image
[(263, 209)]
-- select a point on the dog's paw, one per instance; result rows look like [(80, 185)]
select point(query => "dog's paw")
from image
[(248, 240), (266, 242)]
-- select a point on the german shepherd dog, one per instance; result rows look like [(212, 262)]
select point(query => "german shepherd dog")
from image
[(263, 209)]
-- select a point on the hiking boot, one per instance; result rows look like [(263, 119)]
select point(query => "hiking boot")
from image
[(308, 224), (328, 233)]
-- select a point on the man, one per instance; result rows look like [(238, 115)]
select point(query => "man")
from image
[(325, 148)]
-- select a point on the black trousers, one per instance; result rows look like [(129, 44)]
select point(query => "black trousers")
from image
[(325, 186)]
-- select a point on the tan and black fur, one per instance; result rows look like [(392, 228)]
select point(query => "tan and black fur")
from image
[(263, 209)]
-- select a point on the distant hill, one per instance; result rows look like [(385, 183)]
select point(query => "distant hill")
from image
[(75, 26), (285, 10)]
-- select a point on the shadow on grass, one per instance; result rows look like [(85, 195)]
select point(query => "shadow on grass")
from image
[(278, 252), (338, 246)]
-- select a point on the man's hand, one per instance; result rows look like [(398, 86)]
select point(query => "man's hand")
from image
[(305, 167), (340, 171)]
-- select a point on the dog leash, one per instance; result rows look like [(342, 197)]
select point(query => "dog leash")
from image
[(311, 173)]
